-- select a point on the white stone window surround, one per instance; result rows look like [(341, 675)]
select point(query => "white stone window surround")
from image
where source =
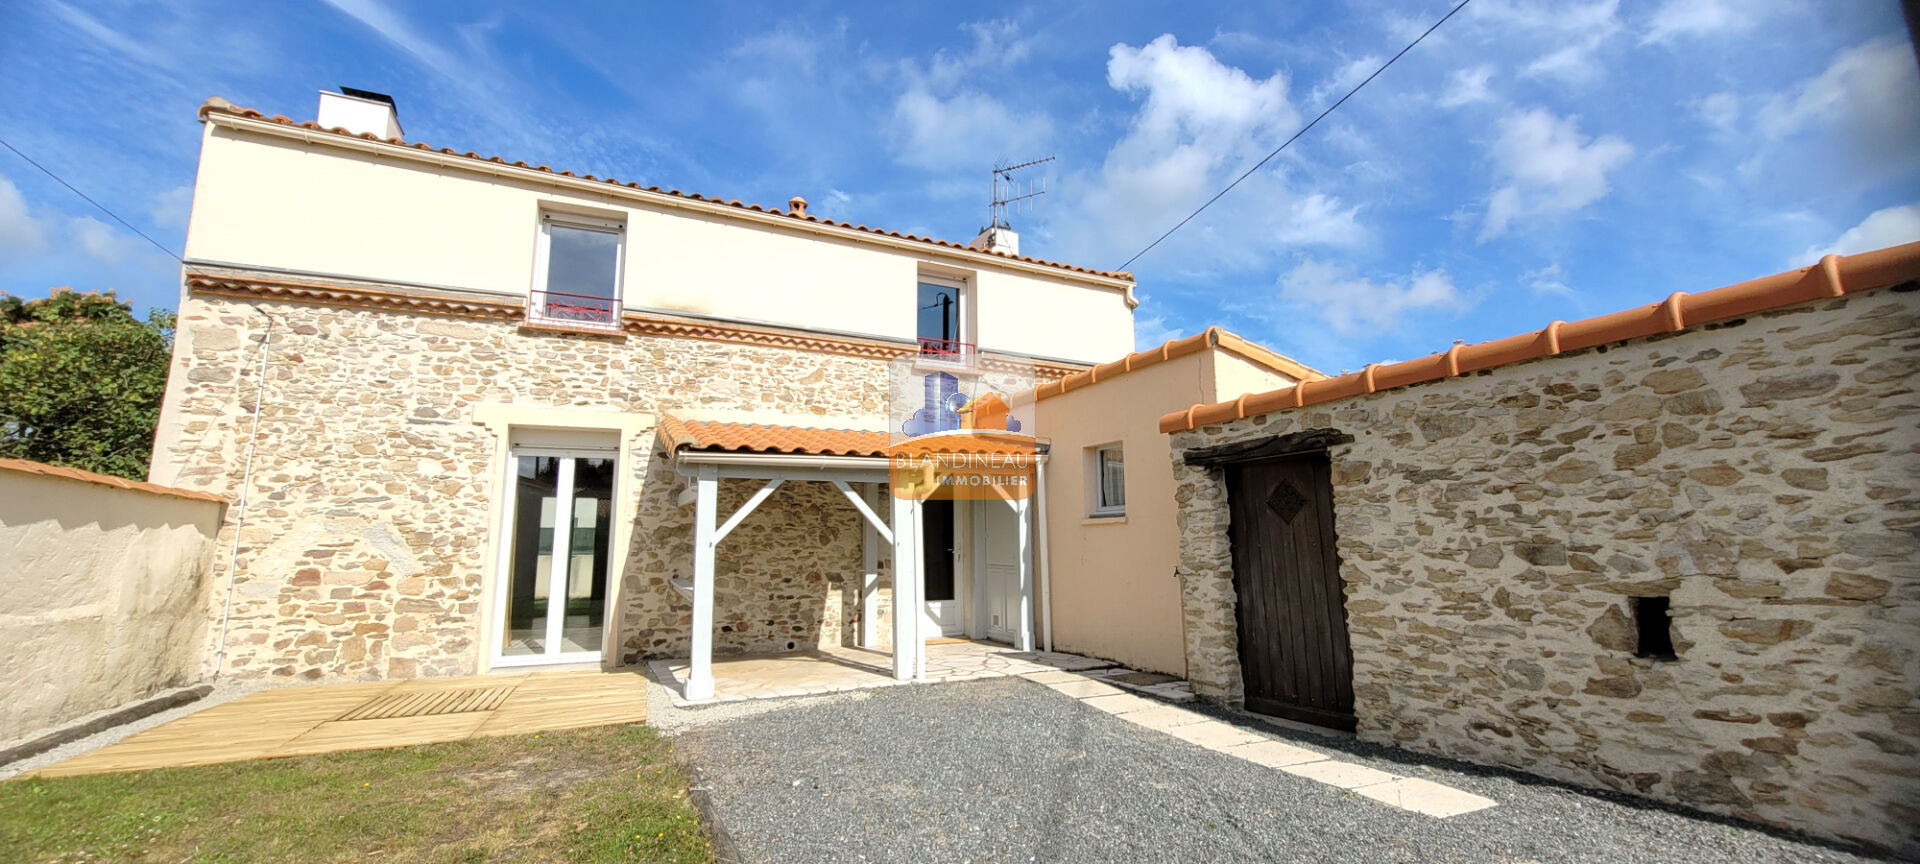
[(541, 307), (1101, 462), (500, 420)]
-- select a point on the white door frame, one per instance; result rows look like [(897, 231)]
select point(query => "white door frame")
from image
[(560, 552)]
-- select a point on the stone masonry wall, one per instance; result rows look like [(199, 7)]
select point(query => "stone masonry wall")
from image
[(1763, 474), (367, 521)]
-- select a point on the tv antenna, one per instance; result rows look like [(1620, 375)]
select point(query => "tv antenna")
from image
[(1008, 191)]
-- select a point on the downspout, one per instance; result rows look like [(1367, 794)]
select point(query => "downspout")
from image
[(246, 476), (1046, 585)]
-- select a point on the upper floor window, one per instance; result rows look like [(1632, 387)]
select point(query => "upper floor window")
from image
[(577, 271), (942, 319), (1109, 481)]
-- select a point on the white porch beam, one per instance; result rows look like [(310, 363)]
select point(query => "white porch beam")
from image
[(870, 569), (700, 671), (1021, 514), (866, 510), (746, 509), (906, 591)]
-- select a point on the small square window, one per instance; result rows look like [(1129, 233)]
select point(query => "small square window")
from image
[(577, 278), (1109, 481), (1653, 619)]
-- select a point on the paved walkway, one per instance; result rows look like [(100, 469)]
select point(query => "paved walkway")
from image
[(293, 721), (836, 669), (1407, 793)]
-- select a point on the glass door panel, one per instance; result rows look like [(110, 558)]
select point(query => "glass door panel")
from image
[(555, 579), (536, 492), (592, 537)]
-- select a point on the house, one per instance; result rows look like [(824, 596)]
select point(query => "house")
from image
[(475, 414), (1668, 551)]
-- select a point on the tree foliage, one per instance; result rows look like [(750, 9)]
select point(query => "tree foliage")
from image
[(81, 380)]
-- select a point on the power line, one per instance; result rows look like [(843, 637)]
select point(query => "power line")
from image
[(100, 206), (1296, 136)]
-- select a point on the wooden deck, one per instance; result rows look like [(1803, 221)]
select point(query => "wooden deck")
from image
[(295, 721)]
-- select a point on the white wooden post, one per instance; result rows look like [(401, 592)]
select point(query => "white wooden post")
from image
[(700, 675), (869, 572), (906, 594), (1022, 511)]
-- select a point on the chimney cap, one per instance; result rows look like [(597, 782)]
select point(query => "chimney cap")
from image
[(797, 205), (370, 96)]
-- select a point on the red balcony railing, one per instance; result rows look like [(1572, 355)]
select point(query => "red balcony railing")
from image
[(947, 351), (573, 310)]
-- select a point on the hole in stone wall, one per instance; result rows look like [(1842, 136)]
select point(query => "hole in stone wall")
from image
[(1653, 618)]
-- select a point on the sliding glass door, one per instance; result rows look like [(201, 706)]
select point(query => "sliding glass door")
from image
[(553, 573)]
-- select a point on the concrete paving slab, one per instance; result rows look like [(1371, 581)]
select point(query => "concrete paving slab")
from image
[(1345, 775), (1426, 797)]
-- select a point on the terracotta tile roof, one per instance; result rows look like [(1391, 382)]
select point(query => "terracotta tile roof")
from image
[(216, 105), (1194, 344), (23, 466), (705, 436), (1834, 276)]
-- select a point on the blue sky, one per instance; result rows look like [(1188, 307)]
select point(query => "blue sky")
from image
[(1530, 161)]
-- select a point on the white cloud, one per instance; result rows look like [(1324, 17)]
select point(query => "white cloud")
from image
[(119, 45), (100, 241), (20, 232), (1571, 34), (967, 129), (1149, 332), (1551, 279), (1352, 305), (944, 120), (1679, 19), (1869, 98), (1548, 168), (171, 206), (396, 30), (1467, 86), (1891, 226), (1319, 218), (1718, 110), (1343, 80), (1199, 123)]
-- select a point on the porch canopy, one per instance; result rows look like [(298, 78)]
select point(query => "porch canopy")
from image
[(855, 462)]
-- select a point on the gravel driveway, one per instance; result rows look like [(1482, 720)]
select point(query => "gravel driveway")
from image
[(1008, 771)]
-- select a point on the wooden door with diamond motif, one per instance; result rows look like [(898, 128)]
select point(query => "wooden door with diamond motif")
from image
[(1295, 660)]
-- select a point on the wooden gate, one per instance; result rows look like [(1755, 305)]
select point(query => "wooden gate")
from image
[(1295, 660)]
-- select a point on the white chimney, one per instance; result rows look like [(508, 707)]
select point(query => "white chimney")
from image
[(997, 238), (360, 112)]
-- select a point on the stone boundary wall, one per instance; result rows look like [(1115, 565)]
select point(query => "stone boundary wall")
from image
[(368, 512), (102, 594), (1494, 529)]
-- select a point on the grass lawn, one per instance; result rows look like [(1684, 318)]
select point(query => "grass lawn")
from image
[(612, 793)]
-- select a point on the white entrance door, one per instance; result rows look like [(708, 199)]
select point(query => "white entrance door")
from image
[(552, 586), (938, 529), (999, 570)]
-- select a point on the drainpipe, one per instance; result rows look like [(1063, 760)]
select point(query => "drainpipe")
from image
[(246, 476), (1046, 585)]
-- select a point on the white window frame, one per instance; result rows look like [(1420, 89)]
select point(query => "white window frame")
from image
[(1096, 507), (536, 302), (962, 317)]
